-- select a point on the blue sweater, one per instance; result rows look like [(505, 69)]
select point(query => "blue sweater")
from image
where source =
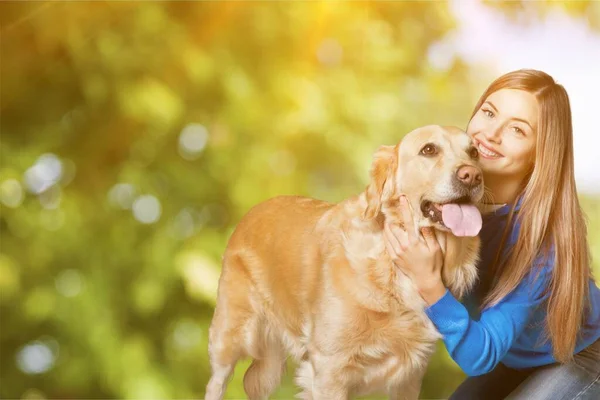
[(511, 332)]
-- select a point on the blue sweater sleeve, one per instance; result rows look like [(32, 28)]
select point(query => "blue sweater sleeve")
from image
[(478, 346)]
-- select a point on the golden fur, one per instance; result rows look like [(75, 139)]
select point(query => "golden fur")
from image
[(312, 279)]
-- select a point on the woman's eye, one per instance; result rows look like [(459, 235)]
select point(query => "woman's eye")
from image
[(488, 113), (428, 150), (518, 130)]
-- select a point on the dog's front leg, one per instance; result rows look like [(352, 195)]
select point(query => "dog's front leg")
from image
[(328, 388), (330, 382), (321, 382), (305, 378)]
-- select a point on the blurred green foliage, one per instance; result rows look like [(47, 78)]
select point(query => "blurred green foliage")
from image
[(134, 137)]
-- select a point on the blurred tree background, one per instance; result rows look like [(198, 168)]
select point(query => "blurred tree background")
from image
[(134, 137)]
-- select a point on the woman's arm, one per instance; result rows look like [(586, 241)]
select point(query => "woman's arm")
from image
[(476, 346)]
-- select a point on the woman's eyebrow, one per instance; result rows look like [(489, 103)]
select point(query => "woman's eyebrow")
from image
[(524, 121), (491, 105)]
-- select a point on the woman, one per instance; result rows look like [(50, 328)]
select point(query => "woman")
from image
[(531, 327)]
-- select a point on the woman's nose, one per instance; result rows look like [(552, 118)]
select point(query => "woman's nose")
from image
[(493, 133)]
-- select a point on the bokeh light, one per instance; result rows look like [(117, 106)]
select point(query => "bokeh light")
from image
[(46, 171), (192, 141), (11, 193), (187, 334), (35, 358), (122, 195), (146, 209), (183, 225), (33, 394), (200, 275), (69, 283), (50, 199)]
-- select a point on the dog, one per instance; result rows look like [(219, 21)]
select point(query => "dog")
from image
[(312, 279)]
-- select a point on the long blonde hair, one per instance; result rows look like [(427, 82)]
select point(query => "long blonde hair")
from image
[(550, 215)]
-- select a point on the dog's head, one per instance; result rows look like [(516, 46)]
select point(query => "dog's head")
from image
[(436, 169)]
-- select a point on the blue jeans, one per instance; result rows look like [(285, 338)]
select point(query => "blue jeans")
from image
[(579, 379)]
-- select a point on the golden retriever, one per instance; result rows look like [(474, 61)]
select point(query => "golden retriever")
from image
[(312, 279)]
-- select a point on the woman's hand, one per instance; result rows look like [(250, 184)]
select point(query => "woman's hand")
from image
[(418, 256)]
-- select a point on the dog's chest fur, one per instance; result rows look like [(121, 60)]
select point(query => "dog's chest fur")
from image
[(382, 334)]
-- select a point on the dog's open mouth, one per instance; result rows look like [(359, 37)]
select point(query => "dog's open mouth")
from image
[(458, 215)]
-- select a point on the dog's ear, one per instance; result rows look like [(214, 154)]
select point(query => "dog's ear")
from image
[(383, 168)]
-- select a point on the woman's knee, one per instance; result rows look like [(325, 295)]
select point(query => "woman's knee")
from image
[(559, 382)]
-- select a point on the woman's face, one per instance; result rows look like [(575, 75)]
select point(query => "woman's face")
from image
[(504, 131)]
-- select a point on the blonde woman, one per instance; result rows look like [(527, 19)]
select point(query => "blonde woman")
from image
[(531, 328)]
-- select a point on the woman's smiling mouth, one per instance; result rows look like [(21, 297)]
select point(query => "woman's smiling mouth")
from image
[(486, 152)]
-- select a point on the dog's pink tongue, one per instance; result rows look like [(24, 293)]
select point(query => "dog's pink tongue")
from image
[(462, 219)]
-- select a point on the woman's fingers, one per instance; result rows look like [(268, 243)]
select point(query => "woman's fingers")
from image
[(433, 246), (430, 239), (407, 219), (400, 235), (390, 250), (392, 243)]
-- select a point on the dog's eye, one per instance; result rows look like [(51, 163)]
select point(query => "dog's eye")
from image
[(474, 153), (428, 150)]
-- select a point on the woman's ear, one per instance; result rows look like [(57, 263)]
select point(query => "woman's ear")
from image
[(383, 168)]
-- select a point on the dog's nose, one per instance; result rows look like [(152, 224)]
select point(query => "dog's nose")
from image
[(468, 175)]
